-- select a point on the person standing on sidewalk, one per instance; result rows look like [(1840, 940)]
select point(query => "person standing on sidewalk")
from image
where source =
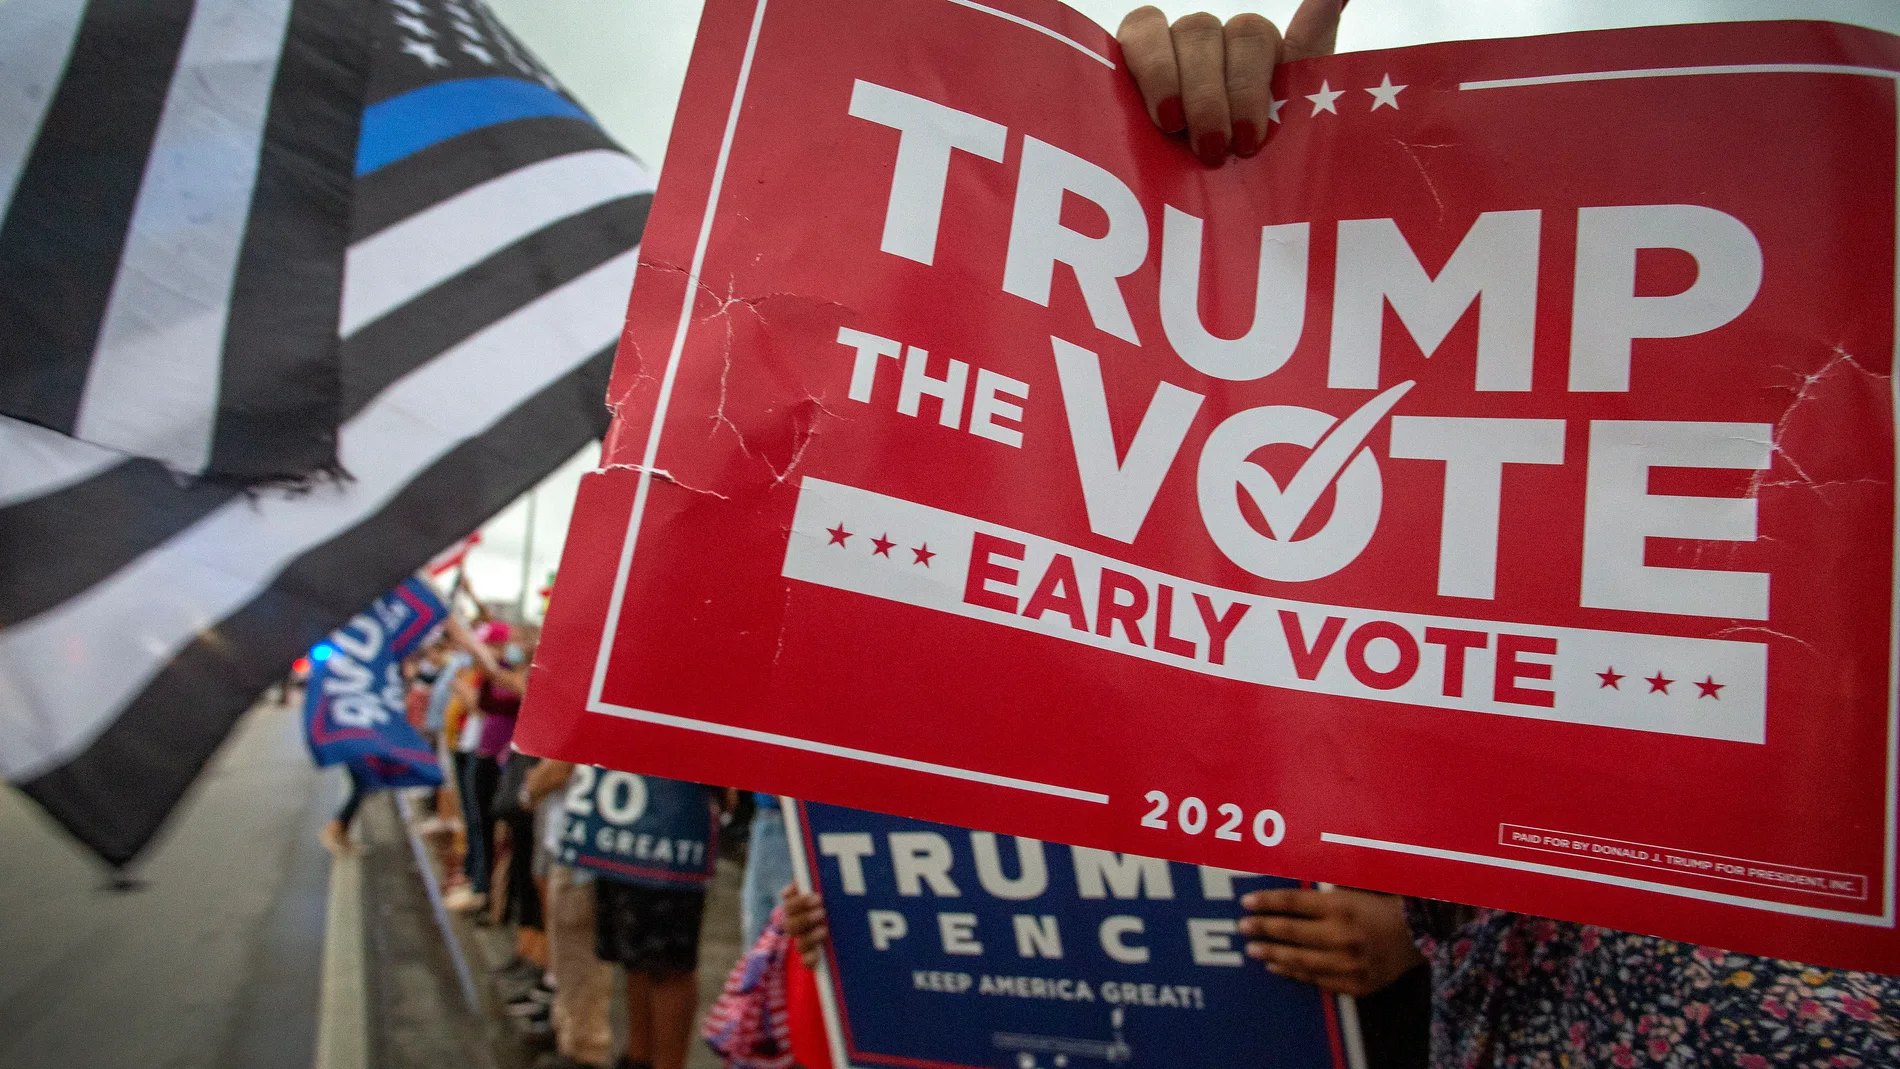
[(496, 699), (768, 868), (647, 918), (583, 984)]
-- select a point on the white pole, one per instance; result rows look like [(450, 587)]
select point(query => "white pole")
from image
[(527, 560)]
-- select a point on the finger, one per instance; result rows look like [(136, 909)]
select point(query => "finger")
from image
[(1343, 983), (1280, 958), (1148, 49), (1200, 53), (1313, 30), (811, 946), (1252, 45), (801, 916), (1319, 980), (813, 938), (1297, 901), (1295, 930)]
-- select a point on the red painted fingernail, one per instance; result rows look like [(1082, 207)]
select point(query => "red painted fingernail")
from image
[(1211, 147), (1170, 115), (1246, 139)]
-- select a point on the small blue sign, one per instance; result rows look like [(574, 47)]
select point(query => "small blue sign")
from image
[(953, 949), (353, 706), (639, 829)]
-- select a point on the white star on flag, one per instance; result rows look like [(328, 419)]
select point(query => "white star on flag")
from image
[(414, 25), (473, 49), (1385, 94), (1273, 109), (414, 7), (466, 30), (424, 51), (1323, 100)]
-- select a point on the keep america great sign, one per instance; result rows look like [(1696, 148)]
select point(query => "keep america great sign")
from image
[(1485, 492)]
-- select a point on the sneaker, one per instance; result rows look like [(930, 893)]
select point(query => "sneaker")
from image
[(432, 826), (465, 900), (534, 1001), (512, 987)]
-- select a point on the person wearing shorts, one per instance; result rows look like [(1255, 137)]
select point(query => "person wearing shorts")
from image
[(650, 928)]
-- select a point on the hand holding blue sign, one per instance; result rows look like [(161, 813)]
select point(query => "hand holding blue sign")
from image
[(805, 923), (1346, 941)]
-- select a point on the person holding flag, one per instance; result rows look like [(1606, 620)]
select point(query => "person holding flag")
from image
[(354, 710)]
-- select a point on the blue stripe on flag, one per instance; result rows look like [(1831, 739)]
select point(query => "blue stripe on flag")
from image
[(407, 124)]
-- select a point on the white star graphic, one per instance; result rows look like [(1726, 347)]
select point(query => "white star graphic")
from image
[(415, 25), (414, 7), (1273, 109), (1385, 94), (473, 49), (424, 51), (1323, 100)]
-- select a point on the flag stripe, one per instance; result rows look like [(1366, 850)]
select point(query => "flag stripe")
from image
[(434, 245), (57, 695), (128, 508), (392, 346), (153, 388), (60, 242), (279, 390), (115, 795), (35, 41), (409, 123), (35, 462), (136, 505), (410, 185)]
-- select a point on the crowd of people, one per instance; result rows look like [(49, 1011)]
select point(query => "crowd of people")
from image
[(497, 822), (1504, 989)]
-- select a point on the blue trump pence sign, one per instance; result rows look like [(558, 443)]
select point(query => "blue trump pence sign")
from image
[(959, 948)]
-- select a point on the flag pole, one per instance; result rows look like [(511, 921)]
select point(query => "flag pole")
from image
[(527, 559)]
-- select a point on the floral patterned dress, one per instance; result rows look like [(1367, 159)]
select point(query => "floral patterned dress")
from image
[(1515, 990)]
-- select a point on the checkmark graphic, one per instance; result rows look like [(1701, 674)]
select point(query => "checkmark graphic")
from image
[(1285, 508)]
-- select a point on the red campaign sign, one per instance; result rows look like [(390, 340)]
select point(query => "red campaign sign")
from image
[(1485, 492)]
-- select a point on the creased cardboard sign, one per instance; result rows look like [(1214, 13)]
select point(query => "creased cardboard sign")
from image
[(1485, 492)]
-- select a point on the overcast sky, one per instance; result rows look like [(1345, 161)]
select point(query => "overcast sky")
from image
[(625, 60)]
